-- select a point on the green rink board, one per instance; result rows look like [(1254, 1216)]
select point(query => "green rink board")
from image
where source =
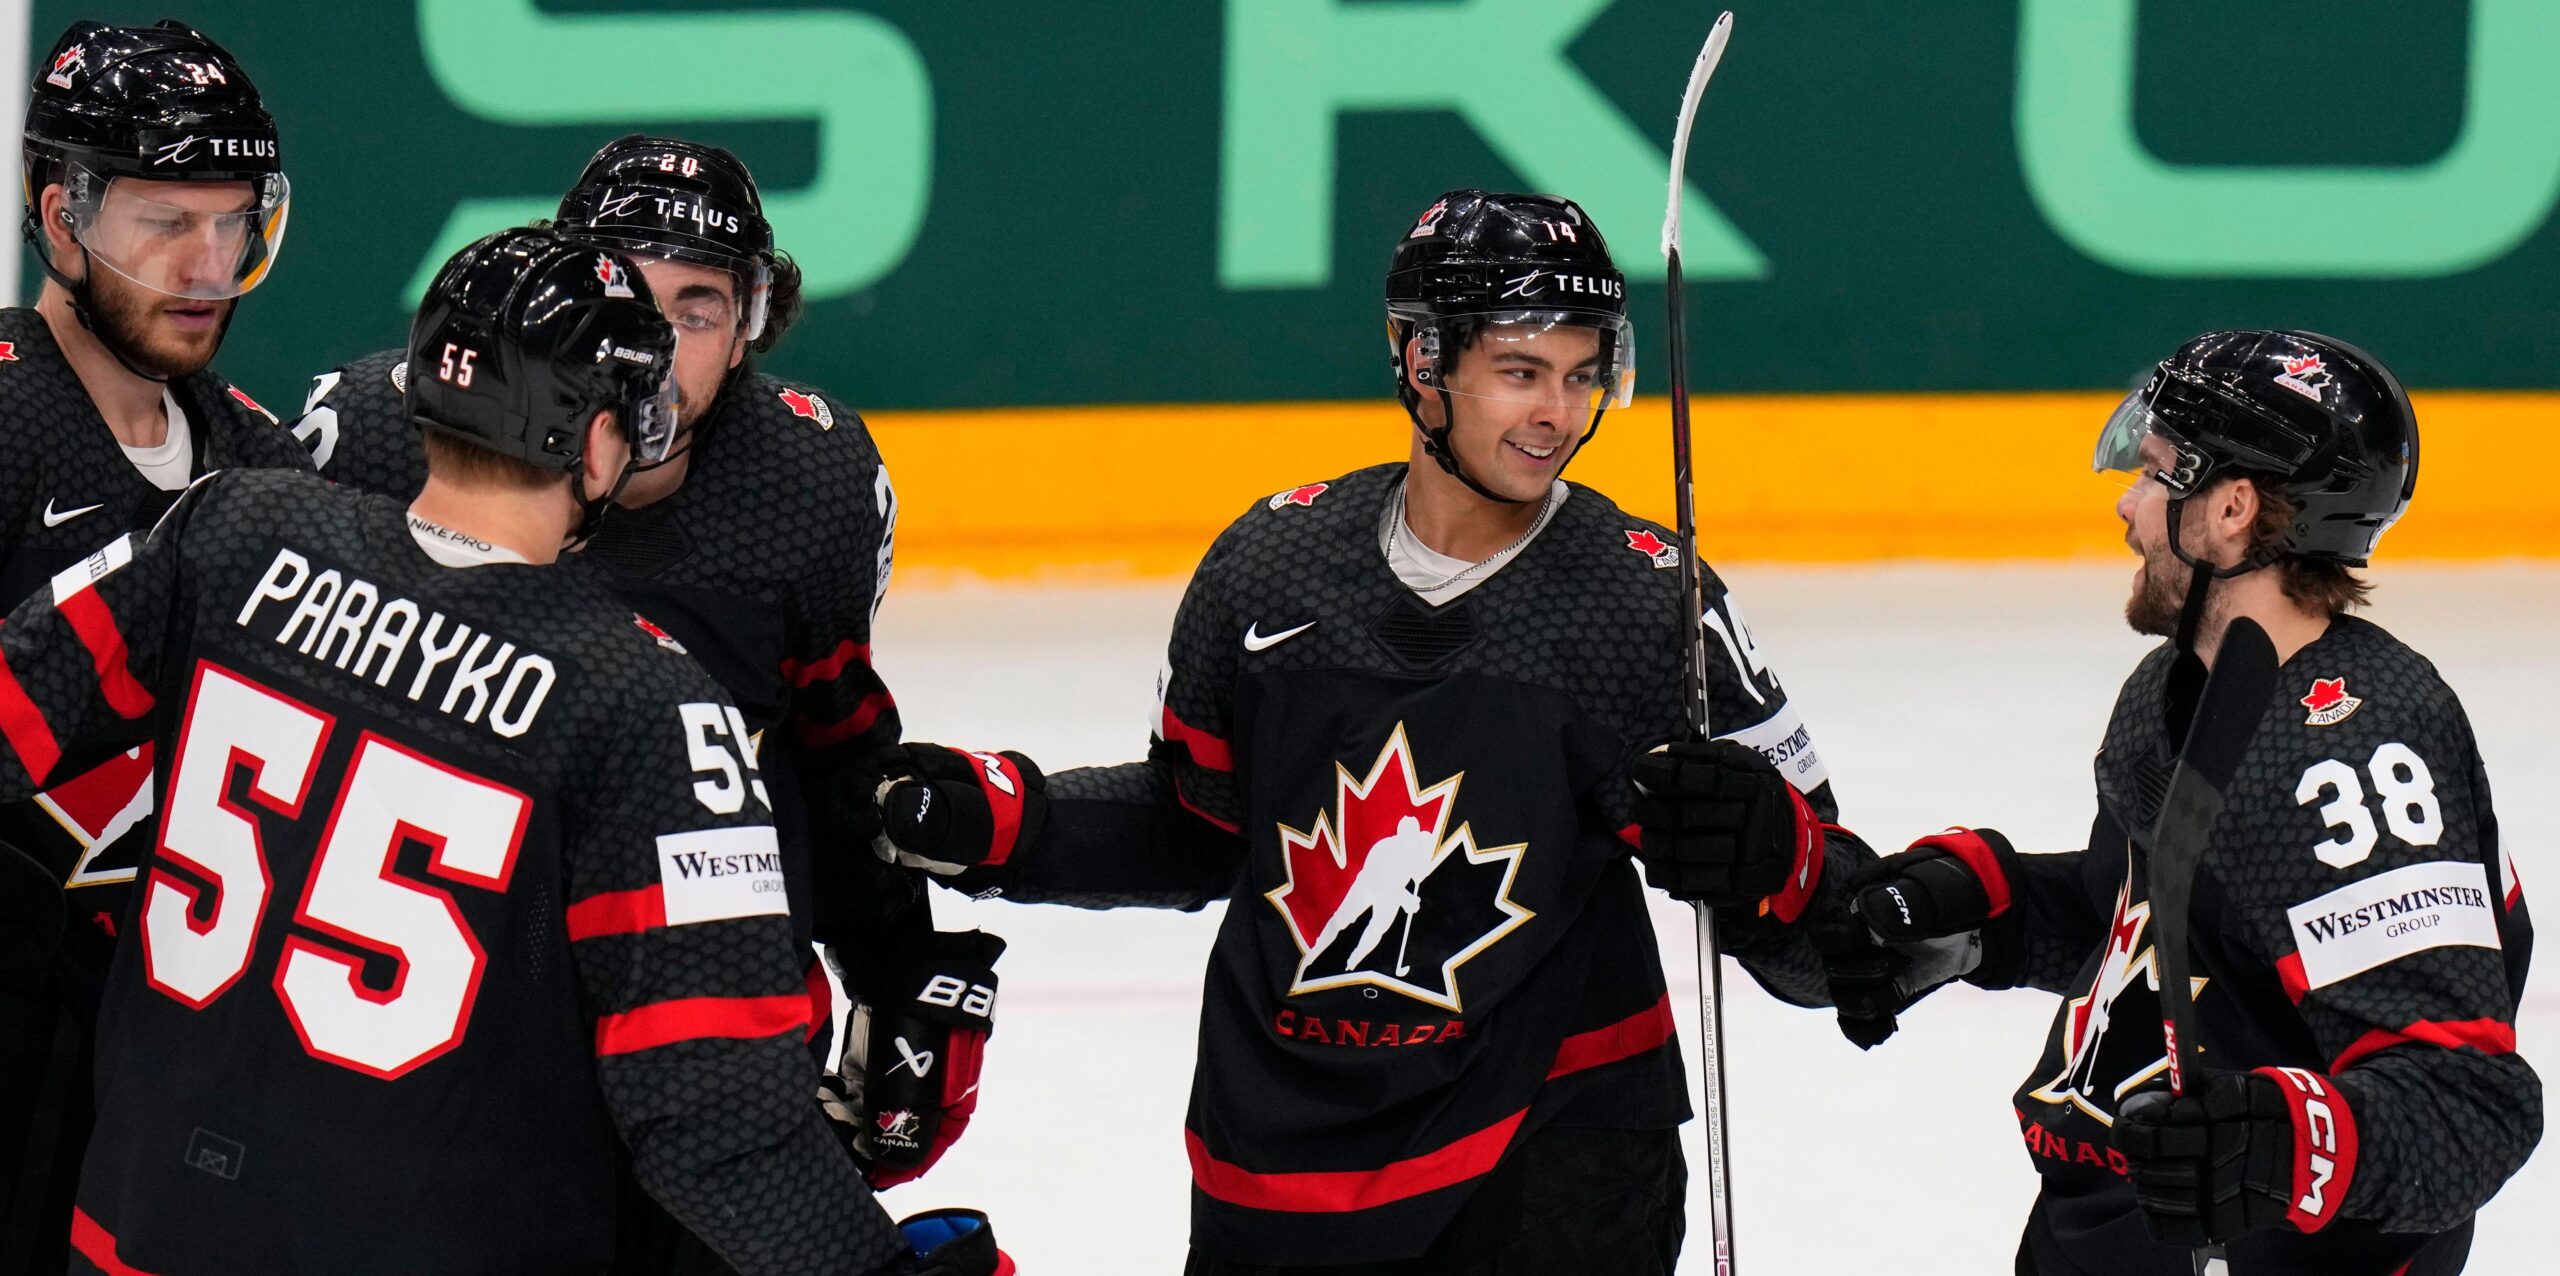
[(1193, 200)]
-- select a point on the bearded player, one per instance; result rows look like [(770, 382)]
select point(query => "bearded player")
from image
[(465, 881), (1428, 696), (2360, 941), (155, 198)]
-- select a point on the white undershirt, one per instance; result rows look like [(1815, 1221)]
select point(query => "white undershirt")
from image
[(457, 549), (1435, 577), (170, 465)]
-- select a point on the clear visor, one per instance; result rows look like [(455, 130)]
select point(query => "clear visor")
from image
[(2137, 444), (653, 420), (698, 312), (1566, 365), (203, 240)]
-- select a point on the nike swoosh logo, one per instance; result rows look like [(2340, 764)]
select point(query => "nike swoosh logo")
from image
[(53, 518), (1255, 641)]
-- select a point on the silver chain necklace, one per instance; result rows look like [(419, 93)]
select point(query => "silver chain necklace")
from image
[(1395, 525)]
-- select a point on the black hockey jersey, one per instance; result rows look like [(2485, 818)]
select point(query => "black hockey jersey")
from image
[(2354, 916), (67, 490), (1435, 940), (767, 565), (459, 872)]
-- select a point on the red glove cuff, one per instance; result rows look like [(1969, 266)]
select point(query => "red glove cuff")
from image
[(1971, 847), (1002, 783), (967, 1048), (2324, 1145), (1802, 879)]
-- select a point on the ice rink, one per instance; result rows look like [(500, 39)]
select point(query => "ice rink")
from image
[(1938, 695)]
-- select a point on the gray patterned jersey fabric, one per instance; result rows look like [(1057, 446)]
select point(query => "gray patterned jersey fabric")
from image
[(767, 565), (464, 880), (2354, 916), (1435, 938), (68, 489)]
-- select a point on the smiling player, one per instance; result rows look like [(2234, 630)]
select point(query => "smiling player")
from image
[(1409, 734)]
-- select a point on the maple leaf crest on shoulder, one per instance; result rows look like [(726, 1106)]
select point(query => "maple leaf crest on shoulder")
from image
[(1648, 542), (808, 404), (2329, 702), (1299, 496)]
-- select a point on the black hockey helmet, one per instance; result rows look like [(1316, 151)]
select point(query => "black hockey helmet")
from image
[(684, 201), (161, 103), (2313, 417), (525, 335), (1477, 260)]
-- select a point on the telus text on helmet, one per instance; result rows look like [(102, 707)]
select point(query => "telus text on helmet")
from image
[(191, 147), (1528, 285), (625, 203)]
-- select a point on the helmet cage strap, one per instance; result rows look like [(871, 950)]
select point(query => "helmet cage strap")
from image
[(1435, 442), (592, 509), (31, 226), (2201, 574)]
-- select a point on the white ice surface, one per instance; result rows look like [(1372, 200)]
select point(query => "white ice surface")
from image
[(1938, 695)]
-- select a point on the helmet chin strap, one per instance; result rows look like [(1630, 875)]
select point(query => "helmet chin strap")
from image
[(2201, 575), (1435, 442), (80, 309), (593, 509)]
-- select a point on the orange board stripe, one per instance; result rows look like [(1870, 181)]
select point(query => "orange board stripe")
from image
[(1141, 490)]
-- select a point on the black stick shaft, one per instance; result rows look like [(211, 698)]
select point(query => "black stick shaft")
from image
[(1693, 679)]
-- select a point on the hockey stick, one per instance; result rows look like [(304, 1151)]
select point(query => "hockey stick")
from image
[(1404, 943), (2228, 711), (1693, 632)]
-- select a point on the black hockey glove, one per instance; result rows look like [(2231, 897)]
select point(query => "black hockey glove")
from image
[(32, 911), (951, 1243), (906, 1083), (951, 810), (2241, 1153), (1947, 884), (1912, 923), (1717, 825)]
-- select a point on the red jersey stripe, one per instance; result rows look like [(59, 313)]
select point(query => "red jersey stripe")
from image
[(2297, 984), (822, 1000), (617, 913), (2488, 1036), (825, 668), (24, 727), (1188, 805), (691, 1018), (95, 1243), (96, 626), (852, 724), (1341, 1191), (1644, 1030), (1207, 751)]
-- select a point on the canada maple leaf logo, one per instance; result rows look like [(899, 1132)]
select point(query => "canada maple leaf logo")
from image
[(810, 406), (2304, 375), (1662, 552), (2329, 702), (242, 397), (2102, 1060), (1384, 861), (1301, 496)]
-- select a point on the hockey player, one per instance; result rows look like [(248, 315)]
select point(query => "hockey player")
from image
[(155, 198), (762, 544), (2359, 941), (1398, 735), (461, 869)]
